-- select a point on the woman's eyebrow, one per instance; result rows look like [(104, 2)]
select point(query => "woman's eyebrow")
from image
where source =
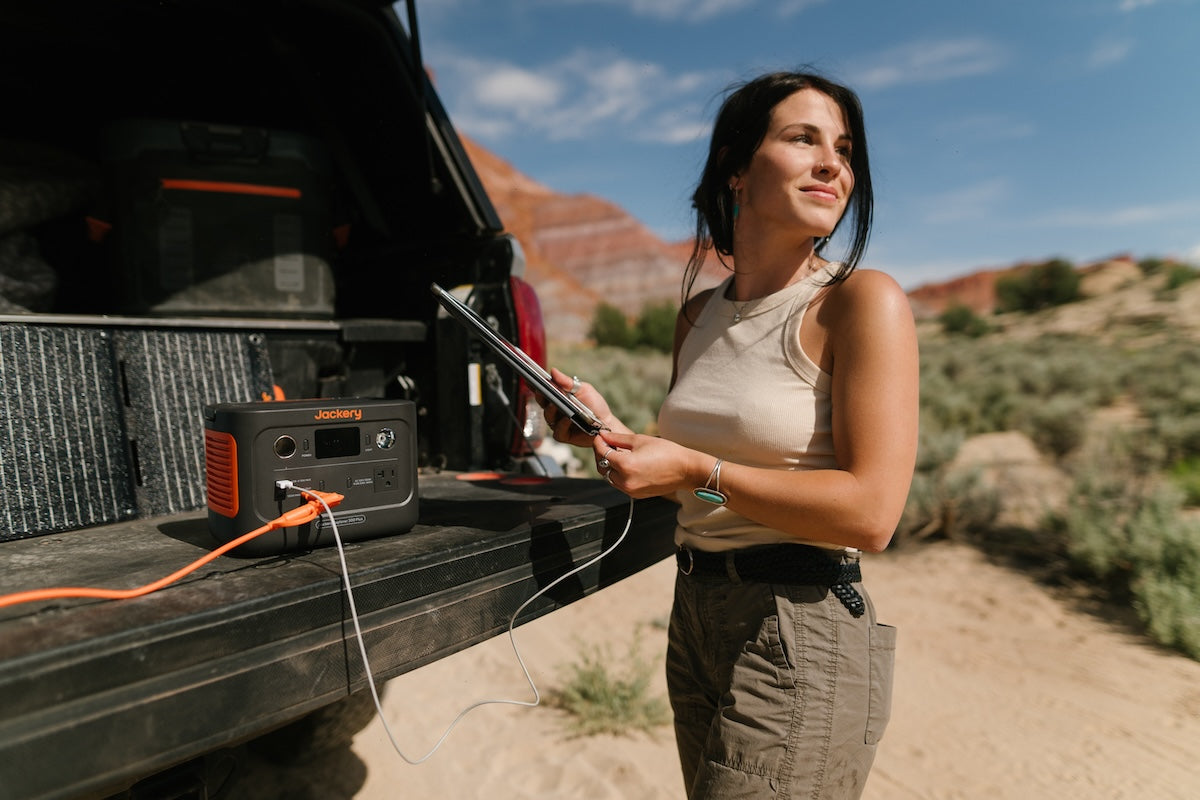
[(808, 127)]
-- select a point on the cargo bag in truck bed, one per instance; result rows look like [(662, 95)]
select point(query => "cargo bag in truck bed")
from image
[(217, 220)]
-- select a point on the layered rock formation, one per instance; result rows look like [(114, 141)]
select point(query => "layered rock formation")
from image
[(581, 250)]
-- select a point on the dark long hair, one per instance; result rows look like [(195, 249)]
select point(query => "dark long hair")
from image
[(740, 128)]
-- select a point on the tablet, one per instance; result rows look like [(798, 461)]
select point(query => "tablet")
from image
[(533, 373)]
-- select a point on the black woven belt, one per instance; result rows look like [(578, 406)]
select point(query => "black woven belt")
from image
[(795, 564)]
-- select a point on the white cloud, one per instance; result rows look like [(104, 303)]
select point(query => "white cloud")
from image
[(790, 8), (509, 86), (930, 61), (674, 128), (586, 94), (1133, 5), (670, 10)]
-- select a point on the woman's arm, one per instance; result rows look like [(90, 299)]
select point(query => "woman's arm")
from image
[(872, 344)]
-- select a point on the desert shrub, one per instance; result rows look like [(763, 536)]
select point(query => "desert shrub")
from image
[(1185, 473), (946, 503), (936, 447), (1165, 383), (1058, 425), (1143, 547), (942, 501), (1044, 388), (1052, 283), (1152, 265), (610, 328), (1166, 586), (655, 327), (1126, 530), (1179, 274), (960, 319), (608, 695)]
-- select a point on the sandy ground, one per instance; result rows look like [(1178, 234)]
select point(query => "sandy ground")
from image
[(1005, 689)]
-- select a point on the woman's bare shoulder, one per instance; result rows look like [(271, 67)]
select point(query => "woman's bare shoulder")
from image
[(870, 291)]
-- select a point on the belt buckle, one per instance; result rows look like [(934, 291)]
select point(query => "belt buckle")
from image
[(691, 561)]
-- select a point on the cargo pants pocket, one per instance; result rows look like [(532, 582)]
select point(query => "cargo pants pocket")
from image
[(883, 662)]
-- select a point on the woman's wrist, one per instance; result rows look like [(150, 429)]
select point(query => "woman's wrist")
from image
[(699, 467), (709, 490)]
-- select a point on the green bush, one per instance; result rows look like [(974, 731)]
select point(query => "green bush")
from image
[(1126, 530), (607, 695), (610, 328), (1152, 265), (1058, 425), (948, 504), (1186, 475), (655, 327), (1052, 283), (1166, 588), (1179, 274), (960, 319)]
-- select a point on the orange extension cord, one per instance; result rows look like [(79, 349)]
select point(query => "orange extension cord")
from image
[(297, 516)]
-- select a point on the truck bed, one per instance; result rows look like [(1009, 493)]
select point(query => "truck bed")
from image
[(96, 693)]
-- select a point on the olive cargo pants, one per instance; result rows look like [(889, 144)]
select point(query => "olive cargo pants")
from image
[(777, 690)]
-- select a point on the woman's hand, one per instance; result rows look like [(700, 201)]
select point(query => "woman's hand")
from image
[(648, 466), (560, 424)]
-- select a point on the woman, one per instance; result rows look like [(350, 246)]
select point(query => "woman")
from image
[(789, 438)]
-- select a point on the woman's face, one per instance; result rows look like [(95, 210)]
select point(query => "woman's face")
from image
[(799, 180)]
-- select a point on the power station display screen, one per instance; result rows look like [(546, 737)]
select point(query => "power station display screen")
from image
[(336, 442)]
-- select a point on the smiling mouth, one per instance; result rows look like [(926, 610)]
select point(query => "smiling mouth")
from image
[(820, 194)]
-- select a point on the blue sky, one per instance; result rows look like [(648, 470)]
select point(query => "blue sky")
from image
[(999, 131)]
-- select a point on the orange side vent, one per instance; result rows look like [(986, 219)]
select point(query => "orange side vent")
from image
[(220, 468), (229, 187)]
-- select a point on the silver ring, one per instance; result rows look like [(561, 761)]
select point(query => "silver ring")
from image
[(608, 477), (575, 384), (606, 452), (603, 464)]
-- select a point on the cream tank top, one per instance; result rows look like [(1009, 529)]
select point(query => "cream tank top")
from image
[(746, 392)]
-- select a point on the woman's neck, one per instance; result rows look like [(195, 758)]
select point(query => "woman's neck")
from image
[(760, 271)]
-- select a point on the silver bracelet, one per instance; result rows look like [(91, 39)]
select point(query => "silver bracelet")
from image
[(711, 492)]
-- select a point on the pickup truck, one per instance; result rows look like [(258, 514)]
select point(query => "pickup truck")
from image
[(230, 201)]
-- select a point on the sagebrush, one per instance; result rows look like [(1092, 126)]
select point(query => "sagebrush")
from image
[(1130, 525), (607, 695)]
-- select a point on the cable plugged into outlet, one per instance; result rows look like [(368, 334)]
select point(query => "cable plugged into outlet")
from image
[(323, 502)]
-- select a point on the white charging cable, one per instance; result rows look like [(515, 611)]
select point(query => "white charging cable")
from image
[(362, 648)]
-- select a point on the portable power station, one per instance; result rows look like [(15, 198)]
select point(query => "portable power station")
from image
[(361, 448)]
